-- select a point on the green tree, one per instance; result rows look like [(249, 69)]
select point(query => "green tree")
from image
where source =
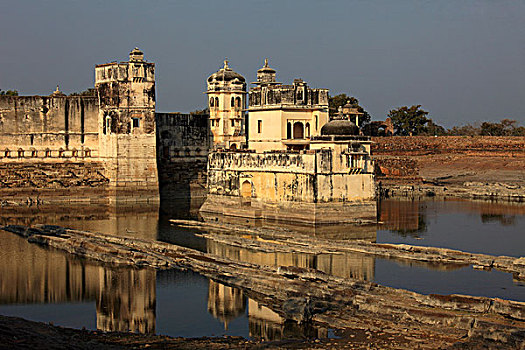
[(8, 93), (492, 129), (465, 130), (409, 121), (334, 102), (87, 92), (434, 129)]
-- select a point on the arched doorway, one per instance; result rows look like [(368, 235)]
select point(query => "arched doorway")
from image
[(233, 146), (298, 130), (246, 189)]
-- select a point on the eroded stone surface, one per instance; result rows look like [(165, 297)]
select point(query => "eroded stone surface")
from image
[(303, 294)]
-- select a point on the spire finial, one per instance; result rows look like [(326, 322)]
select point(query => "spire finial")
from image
[(226, 63), (57, 90), (265, 63)]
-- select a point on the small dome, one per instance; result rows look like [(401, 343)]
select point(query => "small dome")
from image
[(225, 74), (136, 55), (339, 127), (266, 68)]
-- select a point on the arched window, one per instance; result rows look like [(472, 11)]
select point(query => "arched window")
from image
[(316, 123), (289, 131), (232, 102), (307, 130), (238, 101), (20, 153), (298, 130), (216, 102), (211, 102), (48, 152)]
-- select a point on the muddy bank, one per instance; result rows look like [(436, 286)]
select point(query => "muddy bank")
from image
[(365, 313), (460, 166), (17, 333)]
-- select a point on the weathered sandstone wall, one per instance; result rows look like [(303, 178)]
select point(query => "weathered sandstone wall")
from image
[(312, 177), (48, 126)]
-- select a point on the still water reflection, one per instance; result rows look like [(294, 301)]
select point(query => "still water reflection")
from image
[(495, 228), (50, 286)]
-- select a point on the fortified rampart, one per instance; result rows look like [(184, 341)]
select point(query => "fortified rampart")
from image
[(112, 135), (183, 141), (48, 127)]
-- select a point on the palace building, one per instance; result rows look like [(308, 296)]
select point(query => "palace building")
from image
[(297, 166), (284, 117)]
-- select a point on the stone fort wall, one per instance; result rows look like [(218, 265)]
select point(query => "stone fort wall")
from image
[(49, 151), (183, 142), (47, 127)]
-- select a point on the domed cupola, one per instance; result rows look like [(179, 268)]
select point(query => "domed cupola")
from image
[(339, 127), (226, 74), (266, 75)]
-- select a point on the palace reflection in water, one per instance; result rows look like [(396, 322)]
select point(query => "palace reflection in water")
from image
[(126, 298)]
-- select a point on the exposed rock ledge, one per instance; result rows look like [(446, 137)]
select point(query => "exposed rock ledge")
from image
[(390, 318), (282, 241), (472, 190)]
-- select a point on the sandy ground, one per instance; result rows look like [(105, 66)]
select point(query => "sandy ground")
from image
[(462, 168)]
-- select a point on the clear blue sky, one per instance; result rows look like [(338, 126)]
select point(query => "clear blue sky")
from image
[(464, 61)]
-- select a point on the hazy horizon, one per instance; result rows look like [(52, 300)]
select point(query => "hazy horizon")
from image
[(464, 61)]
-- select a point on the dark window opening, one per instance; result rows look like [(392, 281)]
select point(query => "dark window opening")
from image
[(136, 122), (298, 130), (259, 126)]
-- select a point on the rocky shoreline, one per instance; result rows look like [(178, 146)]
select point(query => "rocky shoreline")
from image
[(388, 188), (364, 313)]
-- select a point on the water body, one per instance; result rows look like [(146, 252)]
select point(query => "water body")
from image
[(50, 286)]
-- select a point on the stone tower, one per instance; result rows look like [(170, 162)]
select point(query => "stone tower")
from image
[(126, 93), (226, 100)]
